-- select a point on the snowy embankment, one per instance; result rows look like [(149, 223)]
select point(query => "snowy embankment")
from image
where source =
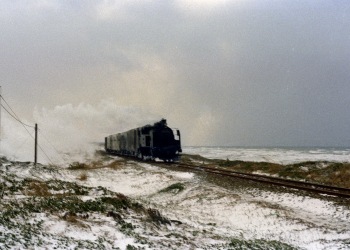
[(85, 207)]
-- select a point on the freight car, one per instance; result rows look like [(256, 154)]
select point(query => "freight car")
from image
[(147, 143)]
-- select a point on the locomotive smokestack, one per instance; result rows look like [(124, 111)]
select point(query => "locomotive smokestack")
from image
[(161, 123)]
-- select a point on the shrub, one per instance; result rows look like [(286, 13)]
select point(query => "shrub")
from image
[(175, 188), (82, 177)]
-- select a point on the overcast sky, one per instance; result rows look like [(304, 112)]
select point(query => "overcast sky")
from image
[(240, 72)]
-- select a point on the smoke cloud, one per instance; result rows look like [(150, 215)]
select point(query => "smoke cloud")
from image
[(70, 133)]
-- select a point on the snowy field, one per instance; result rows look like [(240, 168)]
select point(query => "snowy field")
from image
[(275, 155), (201, 214)]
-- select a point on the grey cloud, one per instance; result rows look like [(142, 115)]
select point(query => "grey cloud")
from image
[(248, 73)]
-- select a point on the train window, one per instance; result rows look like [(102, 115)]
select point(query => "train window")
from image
[(176, 134), (148, 141)]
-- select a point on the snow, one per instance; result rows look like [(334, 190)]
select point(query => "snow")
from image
[(215, 213), (234, 213), (274, 155)]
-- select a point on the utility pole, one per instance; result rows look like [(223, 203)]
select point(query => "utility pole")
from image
[(36, 145)]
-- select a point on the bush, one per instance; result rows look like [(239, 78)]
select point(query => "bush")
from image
[(174, 188)]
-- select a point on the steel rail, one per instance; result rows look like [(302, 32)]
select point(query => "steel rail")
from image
[(307, 186), (283, 179)]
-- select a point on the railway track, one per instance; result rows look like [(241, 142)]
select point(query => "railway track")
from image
[(307, 186)]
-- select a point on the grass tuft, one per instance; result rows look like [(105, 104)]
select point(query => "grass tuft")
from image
[(174, 188), (78, 165), (83, 177), (36, 188), (157, 217), (259, 244)]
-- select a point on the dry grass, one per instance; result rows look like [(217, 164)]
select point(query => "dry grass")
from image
[(337, 174), (174, 188), (75, 219), (116, 165), (156, 217), (78, 166), (330, 173), (84, 166), (83, 177), (97, 165), (36, 188), (186, 158)]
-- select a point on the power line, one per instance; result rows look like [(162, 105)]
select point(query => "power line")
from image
[(17, 119), (21, 145), (42, 150), (14, 116), (48, 141)]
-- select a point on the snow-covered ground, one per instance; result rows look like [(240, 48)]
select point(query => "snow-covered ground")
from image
[(204, 215), (276, 155)]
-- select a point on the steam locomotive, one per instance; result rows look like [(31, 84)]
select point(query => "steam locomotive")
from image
[(147, 143)]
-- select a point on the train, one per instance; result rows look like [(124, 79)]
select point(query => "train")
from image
[(149, 142)]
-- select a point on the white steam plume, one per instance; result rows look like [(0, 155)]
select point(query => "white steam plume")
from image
[(70, 133), (16, 143)]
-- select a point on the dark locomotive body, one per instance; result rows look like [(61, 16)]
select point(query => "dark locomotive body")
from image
[(147, 142)]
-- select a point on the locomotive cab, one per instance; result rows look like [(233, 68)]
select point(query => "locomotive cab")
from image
[(166, 142), (159, 141)]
